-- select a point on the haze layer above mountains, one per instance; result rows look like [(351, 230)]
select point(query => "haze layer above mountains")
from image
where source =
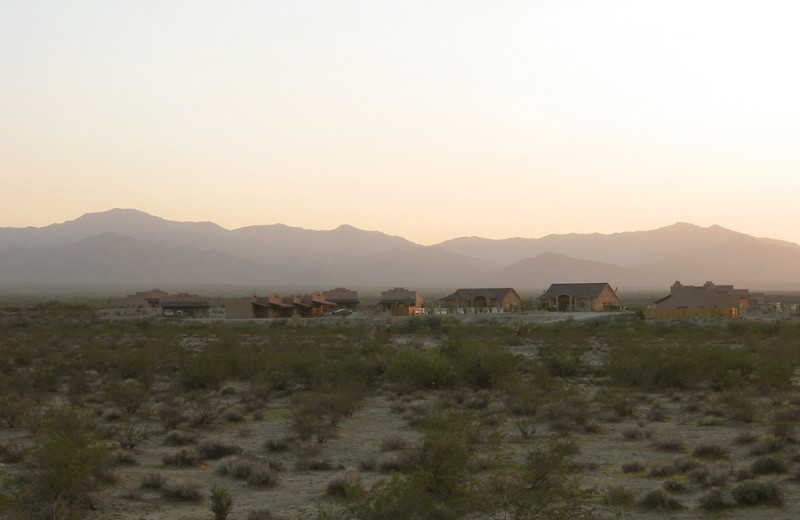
[(125, 246)]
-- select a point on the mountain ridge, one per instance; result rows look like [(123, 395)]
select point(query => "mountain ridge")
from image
[(126, 245)]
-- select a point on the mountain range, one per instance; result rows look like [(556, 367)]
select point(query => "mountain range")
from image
[(127, 246)]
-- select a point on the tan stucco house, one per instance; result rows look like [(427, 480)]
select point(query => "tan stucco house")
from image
[(580, 297)]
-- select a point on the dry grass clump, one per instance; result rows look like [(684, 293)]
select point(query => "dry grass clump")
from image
[(618, 496), (179, 438), (634, 466), (713, 500), (710, 451), (213, 449), (123, 458), (659, 500), (181, 490), (232, 415), (394, 443), (768, 444), (344, 485), (152, 480), (768, 466), (10, 453), (252, 470), (311, 464), (671, 443), (750, 493), (278, 445), (185, 457), (674, 486)]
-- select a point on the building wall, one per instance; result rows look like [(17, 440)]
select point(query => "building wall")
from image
[(239, 309), (707, 296)]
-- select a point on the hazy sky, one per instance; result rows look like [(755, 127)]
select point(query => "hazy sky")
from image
[(428, 120)]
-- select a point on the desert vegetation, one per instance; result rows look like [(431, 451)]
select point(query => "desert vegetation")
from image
[(439, 419)]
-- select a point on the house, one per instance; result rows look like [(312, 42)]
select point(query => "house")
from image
[(143, 299), (314, 304), (504, 298), (707, 296), (258, 307), (343, 298), (184, 304), (580, 297), (275, 306), (400, 302)]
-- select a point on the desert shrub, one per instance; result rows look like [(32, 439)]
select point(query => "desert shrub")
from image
[(750, 493), (344, 485), (768, 465), (152, 480), (129, 396), (410, 370), (232, 415), (620, 403), (394, 443), (479, 364), (740, 407), (62, 469), (213, 449), (277, 445), (10, 453), (181, 490), (123, 458), (768, 444), (396, 461), (671, 443), (659, 500), (254, 471), (131, 432), (179, 438), (185, 457), (560, 361), (674, 486), (662, 469), (635, 433), (710, 451), (634, 466), (618, 496), (221, 502), (713, 500)]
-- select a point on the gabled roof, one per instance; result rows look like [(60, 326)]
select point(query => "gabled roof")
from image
[(495, 293), (592, 290)]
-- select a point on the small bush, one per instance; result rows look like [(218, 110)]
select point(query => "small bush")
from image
[(617, 496), (213, 449), (179, 438), (659, 500), (750, 493), (345, 485), (634, 466), (277, 445), (221, 502), (260, 514), (181, 490), (672, 443), (714, 500), (152, 480), (710, 451), (674, 486), (394, 443), (185, 457), (661, 469), (254, 471), (768, 465)]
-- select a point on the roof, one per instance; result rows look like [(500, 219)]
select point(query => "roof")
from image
[(344, 300), (592, 290), (398, 300), (183, 304), (495, 293)]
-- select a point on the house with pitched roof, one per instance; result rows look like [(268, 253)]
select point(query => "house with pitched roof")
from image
[(343, 298), (184, 304), (580, 297), (275, 306), (504, 298), (400, 302)]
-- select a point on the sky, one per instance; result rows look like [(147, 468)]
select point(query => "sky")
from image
[(424, 119)]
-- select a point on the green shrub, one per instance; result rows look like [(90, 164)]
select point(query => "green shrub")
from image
[(750, 493), (768, 465), (412, 370), (659, 500), (221, 502)]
